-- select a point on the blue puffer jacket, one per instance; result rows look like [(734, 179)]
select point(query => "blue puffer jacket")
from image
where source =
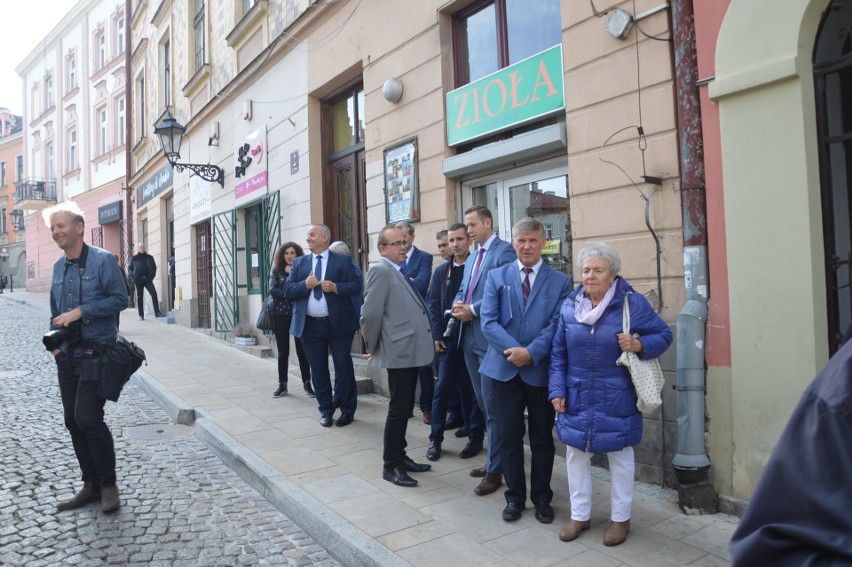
[(600, 401)]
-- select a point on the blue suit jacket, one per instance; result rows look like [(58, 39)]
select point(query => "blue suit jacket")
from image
[(532, 326), (418, 270), (499, 254), (341, 308)]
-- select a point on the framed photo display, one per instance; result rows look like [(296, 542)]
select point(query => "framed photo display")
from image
[(402, 190)]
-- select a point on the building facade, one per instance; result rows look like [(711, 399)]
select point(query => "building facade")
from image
[(13, 258), (75, 131)]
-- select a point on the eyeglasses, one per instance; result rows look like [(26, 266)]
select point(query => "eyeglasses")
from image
[(397, 243)]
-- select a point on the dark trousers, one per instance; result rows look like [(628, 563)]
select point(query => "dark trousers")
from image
[(402, 382), (510, 399), (83, 411), (317, 338), (140, 297), (427, 388), (453, 382), (281, 328)]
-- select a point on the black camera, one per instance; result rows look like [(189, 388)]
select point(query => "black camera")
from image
[(71, 334), (452, 329)]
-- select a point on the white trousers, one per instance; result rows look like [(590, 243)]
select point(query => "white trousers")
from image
[(621, 468)]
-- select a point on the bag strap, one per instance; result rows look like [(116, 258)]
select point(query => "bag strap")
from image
[(625, 315)]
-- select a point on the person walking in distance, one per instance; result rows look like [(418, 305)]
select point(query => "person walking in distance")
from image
[(398, 337), (492, 252), (143, 270), (82, 317), (322, 285)]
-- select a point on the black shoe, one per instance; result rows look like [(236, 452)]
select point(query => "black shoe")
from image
[(410, 466), (345, 419), (512, 512), (158, 314), (141, 317), (544, 513), (464, 431), (472, 449), (309, 391), (398, 476), (434, 452), (454, 423), (326, 421), (281, 391)]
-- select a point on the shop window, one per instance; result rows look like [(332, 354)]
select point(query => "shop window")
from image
[(492, 34)]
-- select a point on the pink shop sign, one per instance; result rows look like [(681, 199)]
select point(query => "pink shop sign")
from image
[(251, 169)]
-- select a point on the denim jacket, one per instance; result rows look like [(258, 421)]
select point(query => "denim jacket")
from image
[(104, 293)]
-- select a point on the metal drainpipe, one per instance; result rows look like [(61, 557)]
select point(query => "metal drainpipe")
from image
[(691, 464)]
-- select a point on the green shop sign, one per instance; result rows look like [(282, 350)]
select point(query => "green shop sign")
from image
[(526, 91)]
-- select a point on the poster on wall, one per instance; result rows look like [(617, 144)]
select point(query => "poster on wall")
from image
[(250, 171), (199, 200), (402, 193)]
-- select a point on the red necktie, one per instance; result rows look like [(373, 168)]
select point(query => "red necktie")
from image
[(526, 284)]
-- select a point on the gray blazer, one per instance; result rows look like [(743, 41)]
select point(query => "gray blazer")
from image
[(394, 321)]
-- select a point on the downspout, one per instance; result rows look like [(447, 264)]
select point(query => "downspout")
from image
[(128, 125), (691, 464)]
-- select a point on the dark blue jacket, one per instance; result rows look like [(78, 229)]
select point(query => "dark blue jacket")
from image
[(341, 305), (418, 270), (600, 401)]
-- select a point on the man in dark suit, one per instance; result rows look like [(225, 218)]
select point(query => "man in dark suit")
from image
[(396, 330), (453, 377), (417, 267), (492, 253), (143, 270), (322, 285), (520, 309)]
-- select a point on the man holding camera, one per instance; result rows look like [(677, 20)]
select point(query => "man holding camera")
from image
[(452, 371), (88, 291)]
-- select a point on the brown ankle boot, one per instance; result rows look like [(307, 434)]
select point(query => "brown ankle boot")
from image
[(572, 530), (489, 484), (89, 493), (110, 501), (616, 533)]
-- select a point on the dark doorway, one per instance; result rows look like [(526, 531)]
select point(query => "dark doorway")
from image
[(204, 271)]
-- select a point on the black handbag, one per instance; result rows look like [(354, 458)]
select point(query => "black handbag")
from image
[(119, 360), (264, 320)]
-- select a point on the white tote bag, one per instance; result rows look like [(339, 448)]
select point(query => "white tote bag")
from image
[(646, 374)]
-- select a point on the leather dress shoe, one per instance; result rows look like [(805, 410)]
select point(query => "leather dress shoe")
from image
[(326, 421), (472, 449), (398, 476), (489, 484), (427, 417), (616, 533), (110, 500), (463, 431), (478, 472), (573, 528), (89, 493), (544, 513), (512, 512), (345, 419), (453, 423), (410, 466), (434, 451)]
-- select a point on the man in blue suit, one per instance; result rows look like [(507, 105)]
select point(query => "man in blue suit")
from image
[(519, 313), (492, 253), (417, 268), (322, 285)]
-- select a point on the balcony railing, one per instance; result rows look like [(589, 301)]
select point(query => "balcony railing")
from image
[(35, 193)]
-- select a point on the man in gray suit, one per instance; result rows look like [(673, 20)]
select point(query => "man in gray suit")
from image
[(398, 336)]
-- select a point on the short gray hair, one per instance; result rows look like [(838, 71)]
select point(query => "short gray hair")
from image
[(406, 226), (528, 225), (598, 249), (324, 229), (70, 208), (340, 247)]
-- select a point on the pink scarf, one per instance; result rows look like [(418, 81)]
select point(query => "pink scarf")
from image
[(583, 310)]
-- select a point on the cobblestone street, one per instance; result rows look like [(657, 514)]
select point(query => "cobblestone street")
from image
[(180, 504)]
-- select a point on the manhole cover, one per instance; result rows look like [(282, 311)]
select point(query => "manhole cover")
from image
[(158, 432), (14, 373)]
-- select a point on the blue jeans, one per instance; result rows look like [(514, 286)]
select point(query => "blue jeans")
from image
[(83, 411), (453, 378)]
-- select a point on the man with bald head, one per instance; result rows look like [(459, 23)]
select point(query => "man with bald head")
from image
[(322, 285)]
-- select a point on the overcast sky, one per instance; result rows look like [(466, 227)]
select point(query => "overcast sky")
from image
[(25, 24)]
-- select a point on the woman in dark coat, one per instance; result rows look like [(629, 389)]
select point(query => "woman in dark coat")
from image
[(282, 313), (594, 398)]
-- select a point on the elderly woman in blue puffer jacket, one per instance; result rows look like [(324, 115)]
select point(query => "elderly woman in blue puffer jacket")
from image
[(594, 398)]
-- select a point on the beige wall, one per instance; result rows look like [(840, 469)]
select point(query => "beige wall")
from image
[(764, 88)]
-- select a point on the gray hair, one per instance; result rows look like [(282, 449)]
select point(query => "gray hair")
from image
[(599, 249), (340, 247), (324, 229), (406, 226), (70, 208), (528, 225), (441, 234)]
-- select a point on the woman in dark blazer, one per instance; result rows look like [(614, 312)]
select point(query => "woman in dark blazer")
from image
[(282, 314)]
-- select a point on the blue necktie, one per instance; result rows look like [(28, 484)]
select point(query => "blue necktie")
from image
[(318, 274), (404, 264)]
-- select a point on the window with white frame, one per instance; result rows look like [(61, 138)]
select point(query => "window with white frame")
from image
[(48, 91), (166, 71), (51, 163), (72, 73), (19, 168), (119, 33), (2, 173), (3, 221), (198, 32), (101, 53), (141, 128), (101, 115), (72, 149), (120, 121), (247, 4)]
